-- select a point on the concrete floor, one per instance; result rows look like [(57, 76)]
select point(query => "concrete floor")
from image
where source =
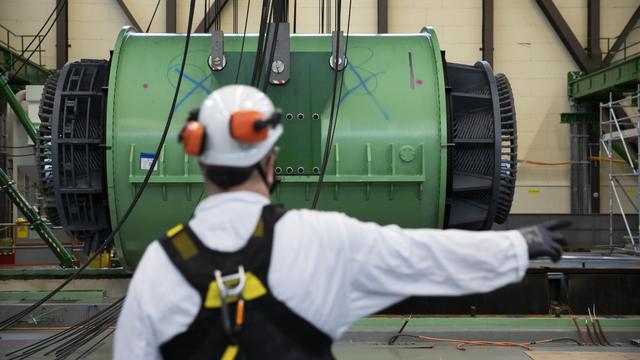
[(350, 350)]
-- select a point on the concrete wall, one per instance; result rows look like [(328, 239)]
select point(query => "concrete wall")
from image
[(526, 49)]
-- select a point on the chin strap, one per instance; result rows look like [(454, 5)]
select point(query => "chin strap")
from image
[(263, 175)]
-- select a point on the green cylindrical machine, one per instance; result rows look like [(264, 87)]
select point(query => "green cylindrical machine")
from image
[(419, 142)]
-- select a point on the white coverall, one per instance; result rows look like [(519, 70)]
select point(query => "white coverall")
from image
[(328, 268)]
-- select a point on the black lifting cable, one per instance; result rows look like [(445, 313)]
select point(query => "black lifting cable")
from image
[(64, 337), (107, 242), (57, 12), (264, 18), (346, 49), (153, 16), (333, 118), (281, 15), (295, 16), (244, 35)]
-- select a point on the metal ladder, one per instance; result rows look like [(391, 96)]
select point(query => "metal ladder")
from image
[(625, 136)]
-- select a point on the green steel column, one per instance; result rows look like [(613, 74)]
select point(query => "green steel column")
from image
[(18, 109), (66, 259), (8, 185)]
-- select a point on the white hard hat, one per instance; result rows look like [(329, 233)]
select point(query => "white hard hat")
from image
[(220, 148)]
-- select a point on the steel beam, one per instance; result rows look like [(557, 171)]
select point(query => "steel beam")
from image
[(383, 16), (213, 15), (565, 34), (171, 16), (622, 37), (487, 31), (617, 78), (129, 15), (62, 36), (4, 209), (29, 212), (593, 34), (8, 94)]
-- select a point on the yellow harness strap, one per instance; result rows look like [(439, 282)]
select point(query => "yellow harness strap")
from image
[(230, 352)]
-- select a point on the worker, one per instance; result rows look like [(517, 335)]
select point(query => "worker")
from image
[(245, 279)]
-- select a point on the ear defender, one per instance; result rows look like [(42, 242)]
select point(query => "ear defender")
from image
[(193, 135), (250, 127)]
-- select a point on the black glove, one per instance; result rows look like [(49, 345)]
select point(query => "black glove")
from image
[(543, 240)]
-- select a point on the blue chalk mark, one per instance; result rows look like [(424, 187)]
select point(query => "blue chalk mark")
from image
[(355, 88), (362, 83), (199, 85)]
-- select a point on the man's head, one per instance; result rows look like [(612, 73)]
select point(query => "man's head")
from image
[(234, 134)]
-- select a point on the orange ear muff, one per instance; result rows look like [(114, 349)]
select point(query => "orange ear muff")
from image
[(243, 127), (193, 137)]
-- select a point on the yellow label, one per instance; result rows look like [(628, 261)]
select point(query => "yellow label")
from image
[(185, 246), (253, 289), (533, 191)]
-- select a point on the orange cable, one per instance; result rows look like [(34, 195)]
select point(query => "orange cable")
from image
[(560, 163)]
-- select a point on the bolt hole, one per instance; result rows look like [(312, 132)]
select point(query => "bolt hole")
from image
[(289, 116), (289, 170), (316, 170), (300, 170), (300, 116), (278, 170), (316, 116)]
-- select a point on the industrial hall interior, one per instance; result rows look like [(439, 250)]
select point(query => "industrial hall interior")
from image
[(320, 179)]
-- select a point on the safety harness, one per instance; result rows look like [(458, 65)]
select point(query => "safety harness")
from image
[(239, 317)]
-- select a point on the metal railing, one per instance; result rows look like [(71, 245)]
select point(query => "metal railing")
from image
[(18, 43), (613, 124), (628, 49)]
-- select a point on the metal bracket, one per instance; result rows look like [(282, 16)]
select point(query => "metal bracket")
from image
[(281, 65), (342, 59), (217, 61)]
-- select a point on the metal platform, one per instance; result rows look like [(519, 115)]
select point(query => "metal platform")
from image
[(368, 338), (620, 77), (631, 134)]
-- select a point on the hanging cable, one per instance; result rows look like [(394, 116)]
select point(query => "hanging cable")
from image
[(107, 242), (206, 11), (295, 16), (264, 19), (153, 16), (346, 48), (333, 116), (43, 37), (235, 16), (322, 17), (244, 36), (277, 9)]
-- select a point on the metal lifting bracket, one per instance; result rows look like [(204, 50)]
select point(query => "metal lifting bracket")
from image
[(217, 61), (281, 65), (342, 59)]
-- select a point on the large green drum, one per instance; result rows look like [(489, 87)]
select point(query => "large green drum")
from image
[(419, 142)]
